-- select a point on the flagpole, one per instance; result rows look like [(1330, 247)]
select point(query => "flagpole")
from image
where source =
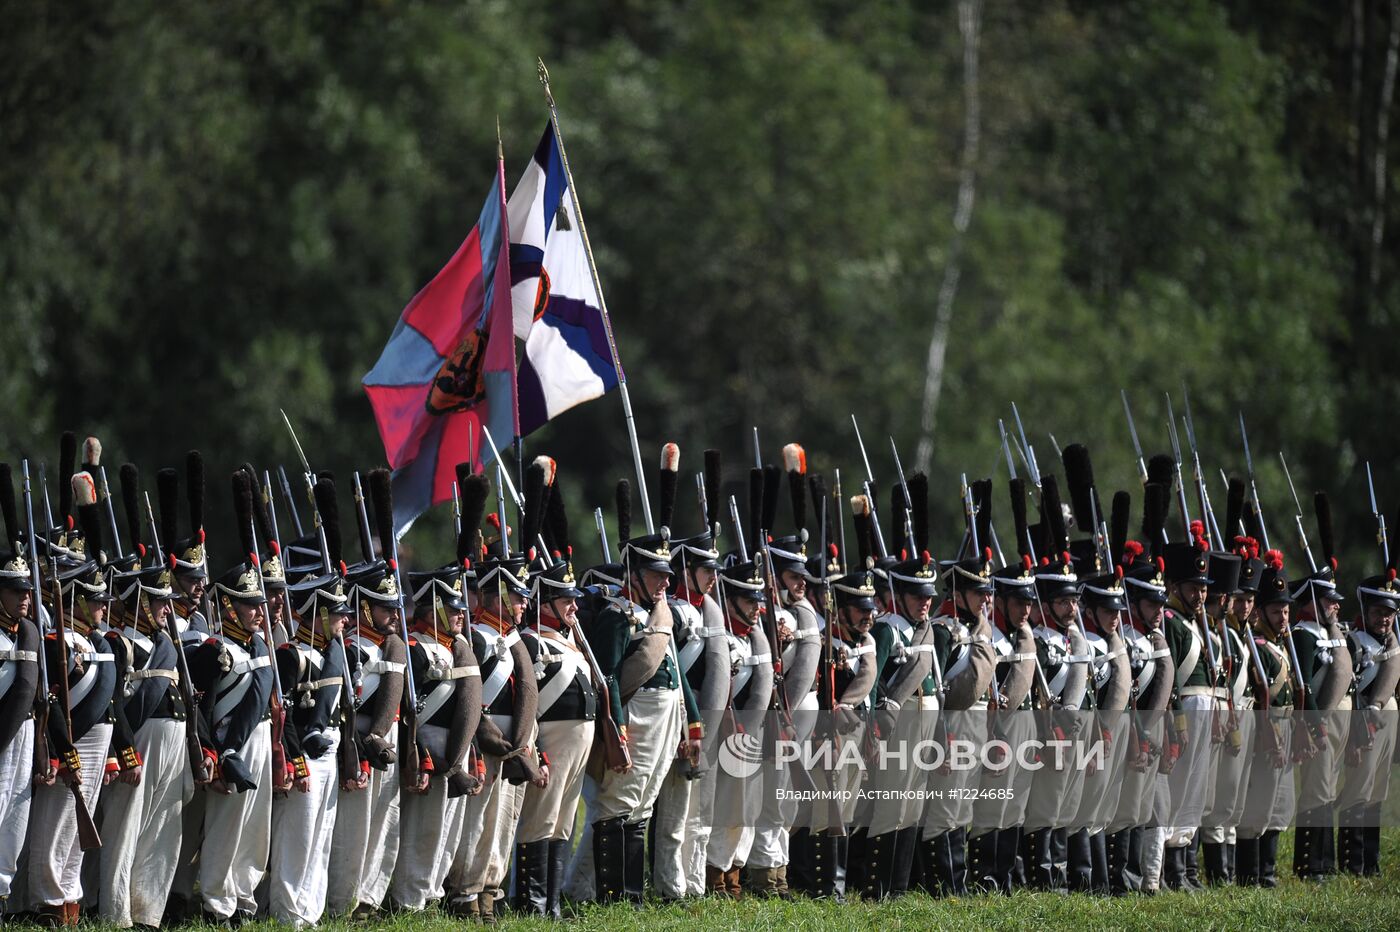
[(517, 441), (602, 305)]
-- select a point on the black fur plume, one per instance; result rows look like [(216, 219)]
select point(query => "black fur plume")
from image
[(1323, 507), (1394, 551), (381, 496), (1161, 469), (1079, 476), (982, 501), (667, 485), (533, 518), (168, 495), (262, 521), (1118, 524), (556, 521), (242, 510), (895, 540), (918, 504), (865, 534), (1052, 515), (772, 487), (326, 504), (755, 505), (131, 504), (1234, 510), (797, 494), (194, 488), (624, 512), (1155, 498), (14, 534), (476, 489), (712, 489), (90, 520), (67, 457), (1018, 516)]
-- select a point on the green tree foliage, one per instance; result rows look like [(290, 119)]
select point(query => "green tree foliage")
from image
[(216, 210)]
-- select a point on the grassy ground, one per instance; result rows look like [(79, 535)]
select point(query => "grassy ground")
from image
[(1342, 902)]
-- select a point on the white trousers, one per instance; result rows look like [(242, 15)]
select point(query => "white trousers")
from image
[(303, 827), (365, 843), (484, 855), (1188, 778), (16, 795), (549, 813), (430, 828), (238, 834), (55, 859), (141, 828)]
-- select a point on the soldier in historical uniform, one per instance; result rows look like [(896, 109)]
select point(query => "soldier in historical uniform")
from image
[(1135, 838), (1270, 801), (19, 691), (1200, 694), (1366, 782), (742, 596), (314, 671), (567, 713), (447, 678), (237, 705), (1325, 665), (365, 843), (506, 733)]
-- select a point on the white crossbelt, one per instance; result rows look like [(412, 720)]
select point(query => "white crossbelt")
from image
[(383, 666), (19, 655), (505, 665), (172, 675)]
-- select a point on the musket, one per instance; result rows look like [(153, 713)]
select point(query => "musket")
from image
[(880, 549), (1207, 513), (503, 474), (48, 508), (501, 510), (840, 515), (271, 504), (1253, 489), (1006, 448), (310, 479), (703, 499), (43, 705), (1027, 451), (757, 451), (1132, 430), (1381, 537), (908, 502), (1298, 520), (826, 690), (970, 515), (111, 512), (291, 501), (456, 505), (738, 529), (1180, 482), (602, 534), (279, 702), (88, 838)]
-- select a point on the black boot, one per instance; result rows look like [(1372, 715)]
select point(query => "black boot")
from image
[(828, 866), (1247, 862), (1079, 859), (982, 862), (1350, 853), (609, 859), (532, 878), (1213, 855), (1191, 873), (1173, 868), (558, 858), (1035, 857), (856, 844), (1228, 856), (635, 860), (1307, 845), (957, 852), (1121, 879), (1007, 857), (1371, 842), (1098, 851), (800, 844), (1268, 859), (906, 844), (1327, 857), (1059, 859), (879, 866)]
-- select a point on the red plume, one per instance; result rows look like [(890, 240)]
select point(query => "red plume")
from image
[(1027, 562), (1335, 564), (1273, 559), (1161, 565), (1131, 551), (987, 554)]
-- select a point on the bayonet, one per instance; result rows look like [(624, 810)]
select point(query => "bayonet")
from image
[(869, 474), (738, 529), (1006, 448), (1180, 482), (1298, 516), (970, 513), (602, 534), (757, 451), (1027, 451), (1380, 518), (840, 519), (363, 517), (1132, 429), (1059, 454), (1253, 489), (908, 502), (504, 474), (291, 500)]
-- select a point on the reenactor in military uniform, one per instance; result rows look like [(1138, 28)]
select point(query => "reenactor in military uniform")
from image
[(365, 845), (742, 597), (1064, 656), (1195, 650), (1325, 665), (1231, 759), (84, 659), (795, 629), (447, 678), (567, 713), (1270, 802), (685, 807), (1135, 838), (506, 733), (19, 691), (1371, 746), (238, 707)]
